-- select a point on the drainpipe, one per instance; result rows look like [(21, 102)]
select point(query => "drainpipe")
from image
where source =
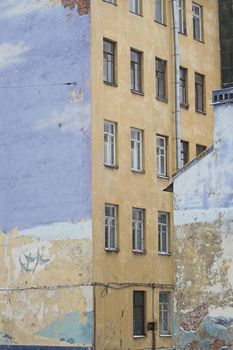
[(177, 82)]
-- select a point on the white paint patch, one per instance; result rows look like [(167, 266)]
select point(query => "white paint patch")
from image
[(75, 117), (16, 8), (88, 295), (221, 312), (192, 216), (12, 54), (61, 231)]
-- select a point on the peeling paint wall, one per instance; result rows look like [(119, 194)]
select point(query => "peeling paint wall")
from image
[(203, 219), (46, 294)]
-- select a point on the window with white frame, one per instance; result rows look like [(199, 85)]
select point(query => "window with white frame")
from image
[(159, 11), (163, 232), (165, 313), (197, 22), (181, 16), (161, 150), (138, 229), (110, 226), (109, 143), (135, 6), (136, 149)]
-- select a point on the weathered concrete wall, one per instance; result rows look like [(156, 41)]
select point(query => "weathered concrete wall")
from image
[(45, 178), (203, 219)]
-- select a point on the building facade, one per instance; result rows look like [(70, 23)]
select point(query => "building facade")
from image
[(203, 240), (88, 143)]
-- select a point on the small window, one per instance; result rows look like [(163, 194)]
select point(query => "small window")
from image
[(163, 232), (197, 22), (110, 227), (164, 313), (159, 11), (200, 149), (138, 229), (109, 143), (109, 49), (136, 70), (139, 301), (135, 6), (184, 156), (161, 150), (199, 92), (183, 86), (181, 16), (160, 76), (136, 149)]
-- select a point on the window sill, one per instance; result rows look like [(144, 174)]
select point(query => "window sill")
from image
[(162, 99), (163, 24), (110, 84), (163, 177), (185, 33), (184, 105), (201, 112), (134, 13), (111, 3), (111, 250), (199, 41), (138, 171), (164, 254), (139, 336), (165, 335), (139, 251), (111, 166), (136, 92)]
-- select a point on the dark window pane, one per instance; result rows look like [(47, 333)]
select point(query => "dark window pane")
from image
[(139, 313)]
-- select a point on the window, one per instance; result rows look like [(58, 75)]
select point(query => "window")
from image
[(139, 313), (200, 149), (161, 150), (136, 70), (110, 227), (197, 22), (163, 232), (135, 6), (111, 1), (159, 11), (138, 229), (183, 86), (184, 149), (109, 143), (160, 66), (136, 149), (199, 92), (109, 49), (181, 16), (165, 313)]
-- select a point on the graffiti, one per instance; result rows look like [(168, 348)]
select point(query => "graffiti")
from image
[(29, 261)]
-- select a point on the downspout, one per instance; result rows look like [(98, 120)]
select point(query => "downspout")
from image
[(177, 82)]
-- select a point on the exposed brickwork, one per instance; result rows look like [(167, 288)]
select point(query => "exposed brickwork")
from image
[(195, 345), (83, 6), (193, 319), (217, 344)]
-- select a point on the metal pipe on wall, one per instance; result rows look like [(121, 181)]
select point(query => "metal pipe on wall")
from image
[(177, 82)]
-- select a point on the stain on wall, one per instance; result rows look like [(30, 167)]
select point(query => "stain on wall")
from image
[(46, 293), (203, 219)]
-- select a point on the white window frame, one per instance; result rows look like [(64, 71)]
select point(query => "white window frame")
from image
[(111, 227), (163, 233), (165, 312), (138, 229), (159, 16), (135, 6), (136, 149), (197, 18), (161, 152), (109, 143), (181, 16)]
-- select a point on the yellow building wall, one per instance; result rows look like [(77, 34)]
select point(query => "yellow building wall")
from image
[(121, 186)]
